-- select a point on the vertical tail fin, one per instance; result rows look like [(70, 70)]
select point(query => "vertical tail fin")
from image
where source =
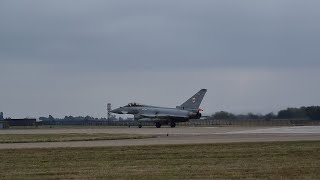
[(195, 101)]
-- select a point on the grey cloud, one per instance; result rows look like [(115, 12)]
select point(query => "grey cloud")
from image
[(81, 51), (157, 35), (37, 90)]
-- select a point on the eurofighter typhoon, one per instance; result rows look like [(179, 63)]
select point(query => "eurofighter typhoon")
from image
[(163, 115)]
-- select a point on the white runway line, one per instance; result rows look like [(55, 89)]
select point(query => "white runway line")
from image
[(282, 130)]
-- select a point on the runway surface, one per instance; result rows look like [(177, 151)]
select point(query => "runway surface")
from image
[(180, 135)]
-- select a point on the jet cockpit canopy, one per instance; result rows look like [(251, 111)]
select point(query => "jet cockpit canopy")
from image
[(134, 104)]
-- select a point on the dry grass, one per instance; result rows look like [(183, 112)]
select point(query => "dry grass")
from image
[(279, 160), (25, 138)]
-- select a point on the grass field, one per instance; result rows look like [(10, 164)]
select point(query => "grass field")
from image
[(24, 138), (278, 160)]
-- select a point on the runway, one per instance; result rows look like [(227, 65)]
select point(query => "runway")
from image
[(180, 135)]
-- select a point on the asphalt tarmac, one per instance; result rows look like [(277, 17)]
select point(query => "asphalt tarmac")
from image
[(179, 135)]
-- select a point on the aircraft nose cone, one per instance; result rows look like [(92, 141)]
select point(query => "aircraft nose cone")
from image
[(118, 111), (115, 111)]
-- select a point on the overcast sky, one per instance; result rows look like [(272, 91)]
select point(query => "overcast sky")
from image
[(72, 57)]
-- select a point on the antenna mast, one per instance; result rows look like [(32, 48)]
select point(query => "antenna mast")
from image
[(109, 111)]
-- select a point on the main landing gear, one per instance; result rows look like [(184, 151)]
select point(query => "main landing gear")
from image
[(172, 124), (158, 125)]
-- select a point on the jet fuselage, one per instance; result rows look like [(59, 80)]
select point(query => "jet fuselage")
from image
[(163, 115)]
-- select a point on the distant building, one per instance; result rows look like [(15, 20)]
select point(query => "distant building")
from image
[(4, 124), (21, 122)]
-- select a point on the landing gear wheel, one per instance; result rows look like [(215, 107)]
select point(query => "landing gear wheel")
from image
[(173, 124), (158, 125), (140, 126)]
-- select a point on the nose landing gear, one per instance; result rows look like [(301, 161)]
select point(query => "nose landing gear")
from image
[(172, 124), (158, 125)]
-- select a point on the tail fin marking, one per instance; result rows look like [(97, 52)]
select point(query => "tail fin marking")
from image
[(195, 101)]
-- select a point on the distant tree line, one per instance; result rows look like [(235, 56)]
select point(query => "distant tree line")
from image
[(1, 116), (228, 115), (311, 112), (307, 113), (77, 118)]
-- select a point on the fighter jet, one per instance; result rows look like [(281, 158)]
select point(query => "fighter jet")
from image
[(163, 115)]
